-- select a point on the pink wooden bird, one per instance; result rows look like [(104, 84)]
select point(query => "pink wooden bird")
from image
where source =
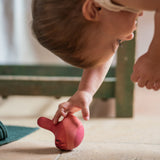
[(68, 133)]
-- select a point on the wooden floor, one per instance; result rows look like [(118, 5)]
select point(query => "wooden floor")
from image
[(105, 138)]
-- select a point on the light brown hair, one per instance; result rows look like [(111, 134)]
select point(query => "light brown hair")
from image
[(60, 27)]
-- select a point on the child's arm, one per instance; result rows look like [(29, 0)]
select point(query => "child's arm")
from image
[(91, 80), (140, 4), (154, 48), (146, 70)]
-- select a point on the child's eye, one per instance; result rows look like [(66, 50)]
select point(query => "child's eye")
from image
[(119, 41)]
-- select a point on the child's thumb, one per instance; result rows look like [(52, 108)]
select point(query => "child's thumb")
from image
[(85, 113)]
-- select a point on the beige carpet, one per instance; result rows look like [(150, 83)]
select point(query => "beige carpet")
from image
[(105, 138)]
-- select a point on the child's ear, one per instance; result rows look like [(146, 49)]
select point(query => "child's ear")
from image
[(91, 10)]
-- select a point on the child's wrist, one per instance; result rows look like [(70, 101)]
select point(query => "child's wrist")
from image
[(89, 95), (154, 52)]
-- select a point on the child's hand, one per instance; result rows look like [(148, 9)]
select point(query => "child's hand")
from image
[(146, 71), (79, 101)]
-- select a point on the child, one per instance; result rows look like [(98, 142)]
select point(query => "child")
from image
[(87, 33)]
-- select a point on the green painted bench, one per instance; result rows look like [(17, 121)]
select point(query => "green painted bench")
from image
[(60, 81)]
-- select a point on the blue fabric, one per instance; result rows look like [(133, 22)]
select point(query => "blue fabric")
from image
[(12, 133), (3, 132)]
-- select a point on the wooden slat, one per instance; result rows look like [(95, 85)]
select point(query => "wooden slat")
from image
[(45, 70), (40, 70), (50, 86)]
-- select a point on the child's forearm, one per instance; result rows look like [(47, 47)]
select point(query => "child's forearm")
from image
[(140, 4), (92, 78), (154, 48)]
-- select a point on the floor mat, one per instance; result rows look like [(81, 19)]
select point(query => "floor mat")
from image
[(12, 133)]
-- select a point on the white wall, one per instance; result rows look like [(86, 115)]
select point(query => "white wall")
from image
[(14, 42), (17, 44)]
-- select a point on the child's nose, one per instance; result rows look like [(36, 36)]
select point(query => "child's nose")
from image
[(140, 13)]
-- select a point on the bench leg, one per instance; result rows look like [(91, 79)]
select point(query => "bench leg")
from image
[(124, 87)]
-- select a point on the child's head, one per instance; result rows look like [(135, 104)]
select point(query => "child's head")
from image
[(79, 31), (60, 27)]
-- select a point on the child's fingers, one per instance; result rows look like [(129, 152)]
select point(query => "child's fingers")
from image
[(56, 117), (62, 111), (150, 85), (142, 82), (156, 85), (134, 77), (85, 113)]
